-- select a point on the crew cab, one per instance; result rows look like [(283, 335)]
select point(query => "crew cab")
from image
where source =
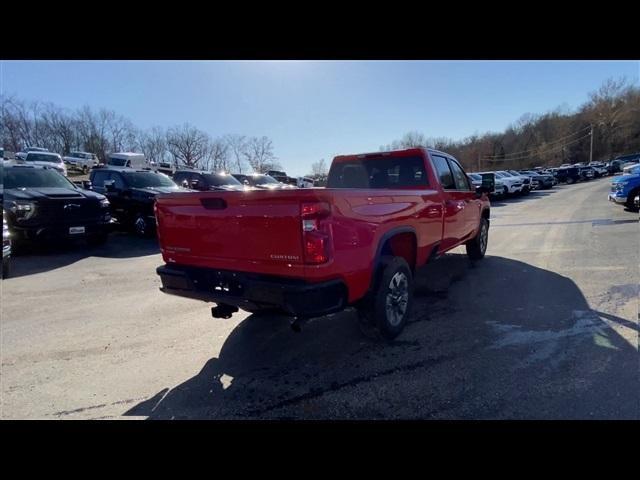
[(42, 204), (625, 188), (310, 252), (132, 193), (83, 161)]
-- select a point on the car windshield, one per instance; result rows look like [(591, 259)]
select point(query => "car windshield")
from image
[(118, 162), (260, 180), (218, 179), (148, 179), (41, 157), (17, 177)]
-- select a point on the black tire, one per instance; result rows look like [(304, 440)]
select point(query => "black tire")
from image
[(629, 203), (6, 267), (570, 180), (477, 247), (85, 169), (389, 304), (96, 240)]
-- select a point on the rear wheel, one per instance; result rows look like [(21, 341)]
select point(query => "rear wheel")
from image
[(477, 247), (141, 226), (389, 303), (6, 267)]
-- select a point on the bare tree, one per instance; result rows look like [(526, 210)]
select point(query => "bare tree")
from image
[(187, 144), (237, 147), (153, 143), (217, 158), (319, 169), (259, 154)]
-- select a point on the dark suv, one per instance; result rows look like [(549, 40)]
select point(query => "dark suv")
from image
[(568, 175), (132, 194), (201, 180), (41, 203)]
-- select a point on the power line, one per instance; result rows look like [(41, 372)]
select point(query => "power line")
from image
[(489, 157), (539, 152)]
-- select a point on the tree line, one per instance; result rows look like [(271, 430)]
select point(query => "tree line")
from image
[(42, 124), (550, 139)]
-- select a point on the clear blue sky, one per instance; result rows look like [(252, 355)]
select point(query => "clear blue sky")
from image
[(316, 109)]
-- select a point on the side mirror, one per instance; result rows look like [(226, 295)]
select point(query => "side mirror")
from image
[(110, 186), (84, 184)]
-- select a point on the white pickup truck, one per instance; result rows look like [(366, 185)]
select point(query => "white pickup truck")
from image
[(82, 161)]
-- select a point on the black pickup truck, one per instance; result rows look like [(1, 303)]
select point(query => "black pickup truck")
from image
[(42, 204), (132, 194)]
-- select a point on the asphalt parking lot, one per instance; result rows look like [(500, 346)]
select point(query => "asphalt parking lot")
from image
[(545, 327)]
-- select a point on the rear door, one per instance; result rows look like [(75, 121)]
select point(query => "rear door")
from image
[(457, 198), (466, 192)]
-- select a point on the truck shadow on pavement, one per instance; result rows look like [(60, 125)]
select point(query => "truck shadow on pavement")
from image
[(34, 258), (494, 339)]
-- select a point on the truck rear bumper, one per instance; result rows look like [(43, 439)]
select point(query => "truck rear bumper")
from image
[(254, 292)]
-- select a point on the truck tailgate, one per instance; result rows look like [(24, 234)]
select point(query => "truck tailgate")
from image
[(258, 231)]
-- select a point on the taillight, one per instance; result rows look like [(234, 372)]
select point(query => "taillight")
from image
[(316, 232)]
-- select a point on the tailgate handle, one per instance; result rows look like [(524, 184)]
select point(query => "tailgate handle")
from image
[(214, 203)]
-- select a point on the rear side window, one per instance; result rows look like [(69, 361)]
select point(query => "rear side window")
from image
[(444, 172), (379, 172), (460, 179), (99, 178)]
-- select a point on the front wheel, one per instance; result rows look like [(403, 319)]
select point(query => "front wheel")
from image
[(96, 240), (477, 247), (391, 299), (630, 203)]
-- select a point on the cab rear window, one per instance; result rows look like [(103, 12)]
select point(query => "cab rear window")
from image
[(378, 172)]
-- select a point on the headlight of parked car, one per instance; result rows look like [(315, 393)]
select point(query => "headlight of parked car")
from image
[(23, 210), (104, 203)]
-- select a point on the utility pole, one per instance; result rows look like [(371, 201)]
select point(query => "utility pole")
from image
[(591, 149)]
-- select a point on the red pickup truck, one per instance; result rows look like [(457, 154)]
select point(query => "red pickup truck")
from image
[(309, 252)]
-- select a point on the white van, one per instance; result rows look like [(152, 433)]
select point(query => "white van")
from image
[(129, 159)]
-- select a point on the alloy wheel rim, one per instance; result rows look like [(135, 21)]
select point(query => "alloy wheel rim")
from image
[(397, 298), (484, 234), (141, 226)]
